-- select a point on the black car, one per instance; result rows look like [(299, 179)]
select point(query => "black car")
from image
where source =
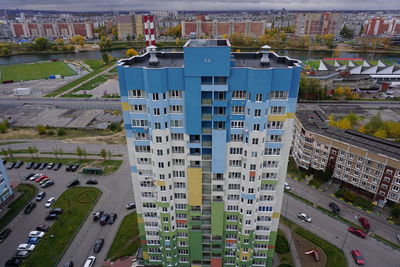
[(56, 168), (334, 207), (22, 254), (51, 217), (18, 164), (3, 235), (13, 262), (42, 166), (42, 227), (57, 211), (98, 245), (113, 217), (4, 162), (30, 165), (48, 183), (29, 176), (40, 196), (50, 166), (73, 183), (97, 215), (11, 165), (91, 181), (75, 168), (69, 264), (30, 207), (36, 166), (104, 219), (68, 168)]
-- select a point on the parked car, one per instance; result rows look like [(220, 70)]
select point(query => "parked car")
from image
[(50, 202), (41, 178), (304, 217), (73, 183), (11, 165), (334, 207), (30, 165), (40, 196), (104, 219), (74, 168), (113, 218), (287, 186), (91, 181), (90, 261), (44, 180), (13, 262), (42, 166), (50, 166), (364, 222), (97, 215), (38, 234), (33, 178), (56, 211), (357, 232), (98, 245), (33, 240), (131, 206), (69, 264), (48, 183), (18, 164), (42, 227), (28, 209), (51, 217), (68, 168), (22, 254), (358, 257), (36, 166), (56, 168), (26, 246), (4, 234), (29, 176)]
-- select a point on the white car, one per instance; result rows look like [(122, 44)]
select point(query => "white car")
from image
[(50, 202), (304, 217), (36, 234), (28, 247), (90, 261), (33, 178), (287, 186)]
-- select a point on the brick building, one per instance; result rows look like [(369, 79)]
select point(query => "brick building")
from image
[(52, 30), (217, 29), (378, 26)]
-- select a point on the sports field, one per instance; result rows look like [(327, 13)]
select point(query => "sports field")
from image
[(34, 71)]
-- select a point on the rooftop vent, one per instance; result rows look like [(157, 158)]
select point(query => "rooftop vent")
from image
[(153, 61), (265, 59)]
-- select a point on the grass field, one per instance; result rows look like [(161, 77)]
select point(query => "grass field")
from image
[(77, 203), (127, 241), (94, 64), (88, 86), (36, 71)]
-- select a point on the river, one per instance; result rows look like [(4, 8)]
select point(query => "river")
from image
[(120, 53)]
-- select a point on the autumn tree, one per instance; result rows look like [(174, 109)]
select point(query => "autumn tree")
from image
[(131, 52), (344, 124), (174, 31), (77, 39), (105, 58), (311, 89), (346, 32), (339, 91), (59, 41), (40, 44), (328, 39), (381, 134)]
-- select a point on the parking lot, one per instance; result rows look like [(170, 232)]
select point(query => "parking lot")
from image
[(117, 192)]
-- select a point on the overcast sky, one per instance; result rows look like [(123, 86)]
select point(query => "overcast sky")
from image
[(85, 5)]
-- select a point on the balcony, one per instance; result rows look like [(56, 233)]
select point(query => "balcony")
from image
[(206, 157), (206, 143), (206, 130), (206, 101), (206, 117)]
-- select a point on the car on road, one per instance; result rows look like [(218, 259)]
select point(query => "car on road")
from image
[(358, 258), (287, 186), (28, 209), (90, 261), (364, 222), (68, 264), (18, 164), (42, 166), (50, 166), (51, 217), (36, 166), (48, 183), (334, 207), (304, 217), (98, 245), (50, 202), (91, 181), (57, 166), (11, 165), (33, 240), (97, 215), (113, 218), (22, 254), (58, 211), (357, 232), (73, 183), (42, 227), (29, 176), (74, 168), (40, 196), (131, 206), (4, 234), (104, 219), (13, 262), (30, 165), (39, 234), (26, 246)]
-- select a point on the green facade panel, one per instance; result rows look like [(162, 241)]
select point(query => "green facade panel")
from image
[(217, 218), (272, 238), (196, 241)]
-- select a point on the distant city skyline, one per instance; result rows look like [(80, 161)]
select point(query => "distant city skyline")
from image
[(201, 5)]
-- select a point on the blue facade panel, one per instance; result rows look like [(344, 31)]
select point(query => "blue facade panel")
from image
[(175, 79), (5, 188), (218, 151), (248, 196), (238, 79), (282, 79), (155, 80), (134, 169), (134, 78), (259, 82), (193, 105), (273, 145)]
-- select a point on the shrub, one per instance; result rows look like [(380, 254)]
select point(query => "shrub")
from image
[(61, 132), (395, 211), (51, 132), (363, 203), (115, 126), (340, 193), (282, 245), (349, 196), (41, 129)]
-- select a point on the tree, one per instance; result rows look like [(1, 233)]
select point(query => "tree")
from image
[(31, 150), (79, 151), (103, 153), (336, 53), (61, 152), (77, 39), (339, 91), (4, 126), (41, 43), (353, 118), (395, 212), (332, 121), (105, 58), (225, 36), (177, 40), (347, 91), (5, 51), (41, 129), (61, 132), (361, 129), (346, 32), (374, 124), (109, 154), (175, 31), (328, 39), (131, 52), (311, 89), (105, 43), (140, 37), (56, 153), (59, 41), (381, 134)]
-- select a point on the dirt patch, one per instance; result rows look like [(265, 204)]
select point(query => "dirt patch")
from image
[(20, 134), (118, 138), (303, 245)]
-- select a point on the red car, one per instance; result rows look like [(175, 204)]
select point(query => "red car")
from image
[(357, 257), (364, 222), (357, 232), (42, 177)]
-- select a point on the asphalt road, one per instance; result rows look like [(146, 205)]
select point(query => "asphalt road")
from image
[(82, 246), (374, 252)]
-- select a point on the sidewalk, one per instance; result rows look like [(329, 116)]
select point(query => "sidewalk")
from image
[(288, 234)]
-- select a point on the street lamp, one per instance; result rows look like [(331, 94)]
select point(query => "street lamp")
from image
[(344, 241)]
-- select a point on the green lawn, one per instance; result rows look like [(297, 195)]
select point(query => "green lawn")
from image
[(87, 86), (77, 203), (127, 240), (27, 193), (35, 71), (94, 64)]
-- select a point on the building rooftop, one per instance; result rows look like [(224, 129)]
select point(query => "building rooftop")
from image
[(207, 43), (317, 122)]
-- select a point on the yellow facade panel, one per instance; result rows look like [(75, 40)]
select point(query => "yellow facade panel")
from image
[(126, 106), (194, 186), (160, 183), (275, 215)]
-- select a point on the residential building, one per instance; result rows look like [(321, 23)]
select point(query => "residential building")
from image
[(317, 23), (380, 26), (5, 188), (132, 26), (208, 133), (218, 29), (362, 162)]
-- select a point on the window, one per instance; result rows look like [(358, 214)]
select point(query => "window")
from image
[(238, 109), (275, 138), (176, 109), (239, 95), (256, 127), (136, 94), (139, 123), (272, 151), (277, 110), (237, 124), (275, 125), (255, 141), (236, 138), (257, 113), (219, 80), (279, 95), (176, 123), (176, 137), (157, 125), (142, 148), (175, 94), (235, 150), (139, 108), (259, 97), (157, 111), (155, 96)]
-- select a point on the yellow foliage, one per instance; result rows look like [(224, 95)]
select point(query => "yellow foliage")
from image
[(238, 50), (344, 124), (339, 91), (131, 52), (354, 96), (381, 134), (77, 39), (225, 36), (177, 41), (362, 129), (347, 91), (332, 121)]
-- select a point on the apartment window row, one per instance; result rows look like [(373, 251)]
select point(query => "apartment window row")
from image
[(279, 95)]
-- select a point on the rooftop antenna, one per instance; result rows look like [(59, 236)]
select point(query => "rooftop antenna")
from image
[(265, 59)]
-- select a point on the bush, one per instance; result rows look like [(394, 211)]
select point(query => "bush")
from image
[(395, 211), (61, 132), (349, 196), (363, 203), (115, 126), (41, 129), (51, 132), (282, 245), (340, 193)]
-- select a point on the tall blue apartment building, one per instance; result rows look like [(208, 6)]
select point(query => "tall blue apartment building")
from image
[(208, 133), (5, 188)]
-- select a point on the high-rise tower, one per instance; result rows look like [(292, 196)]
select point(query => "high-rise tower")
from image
[(208, 133)]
